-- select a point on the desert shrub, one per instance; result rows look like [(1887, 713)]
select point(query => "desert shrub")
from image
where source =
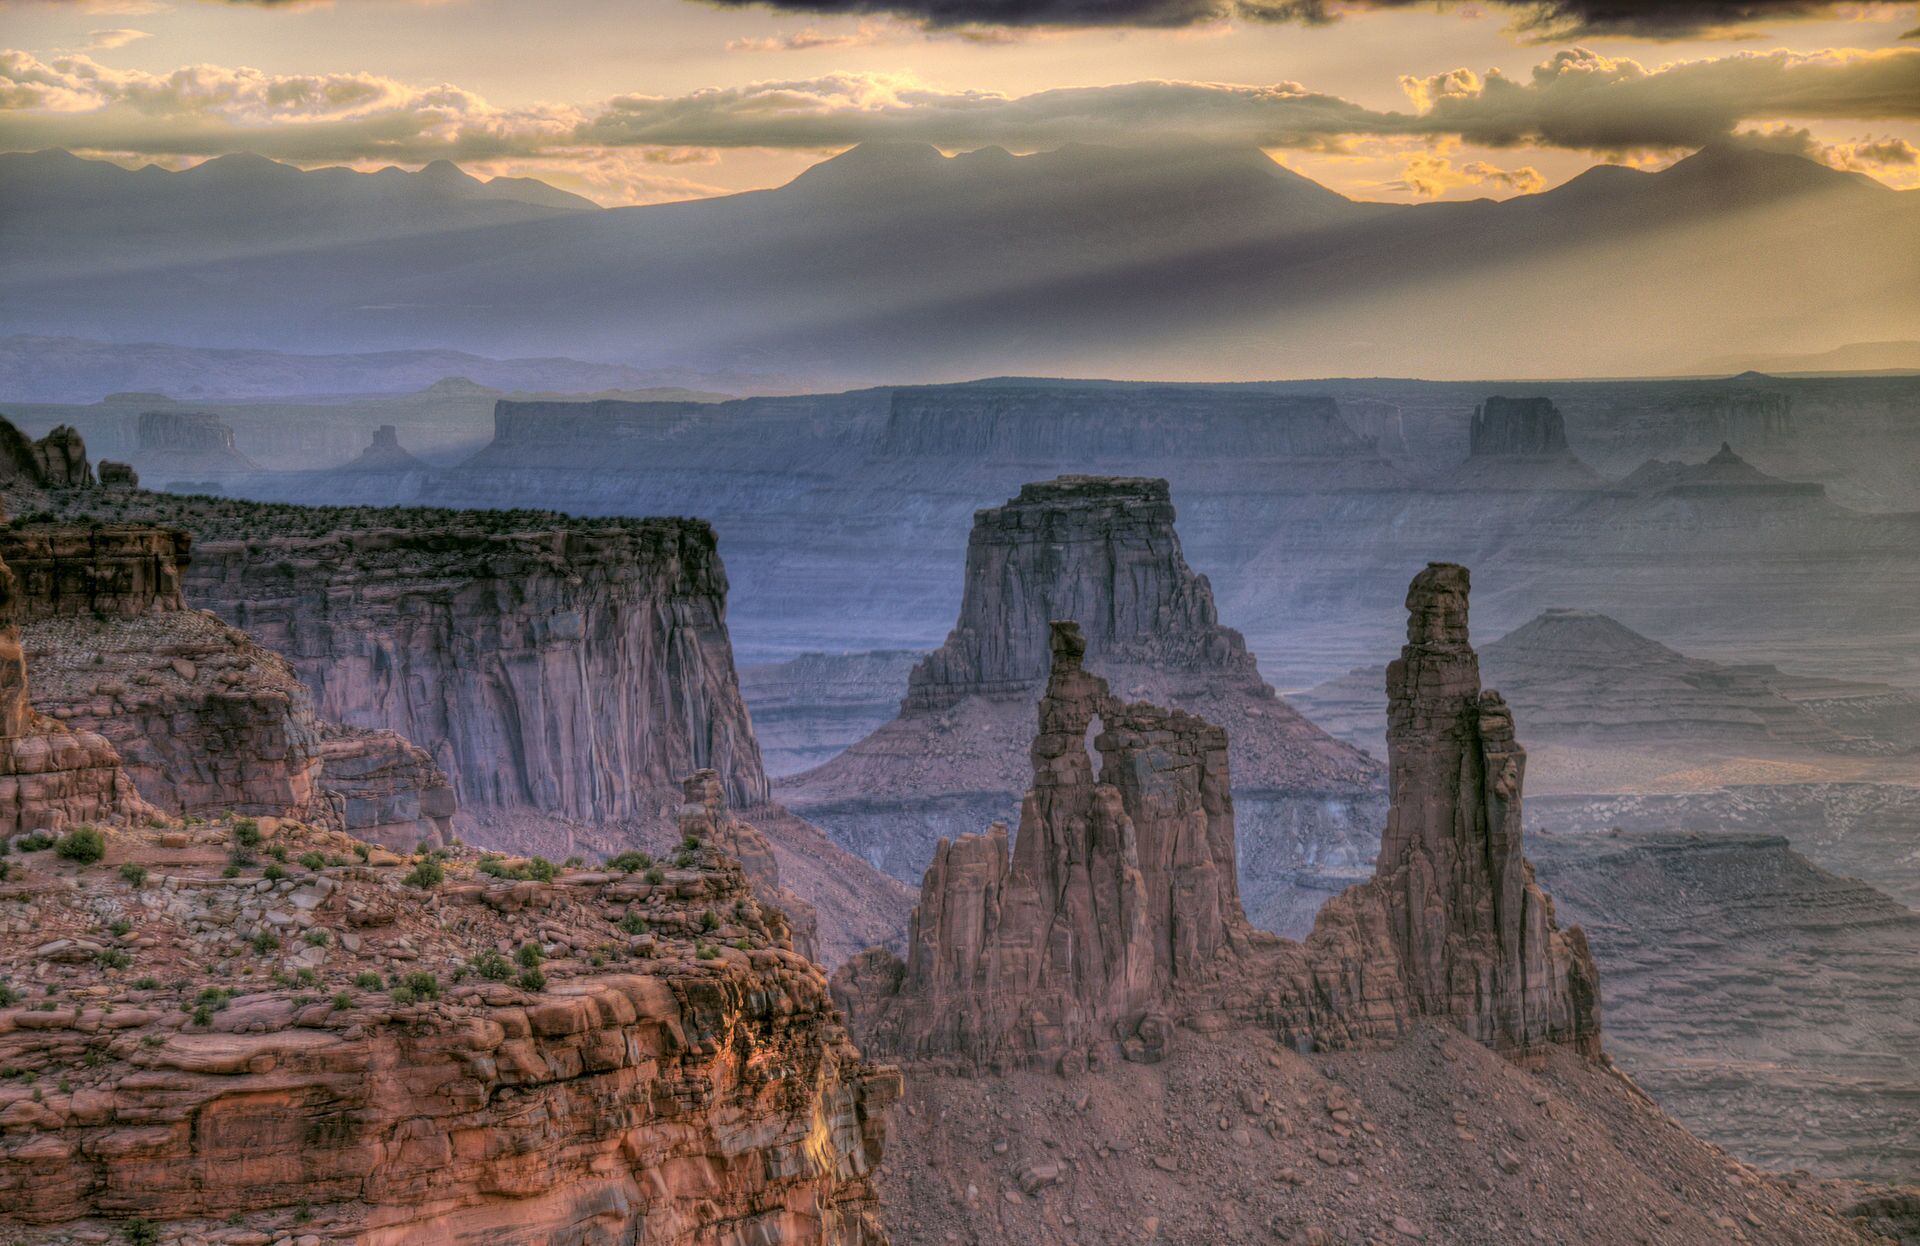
[(530, 955), (317, 937), (313, 861), (542, 870), (633, 924), (83, 844), (423, 984), (342, 1001), (134, 874), (264, 942), (630, 862), (273, 873), (368, 981), (426, 874), (531, 979), (709, 920), (492, 966), (246, 832), (656, 876)]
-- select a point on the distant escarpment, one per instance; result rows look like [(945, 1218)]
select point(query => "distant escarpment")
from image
[(187, 445), (203, 718), (1520, 443), (357, 1047), (1116, 915), (1103, 552)]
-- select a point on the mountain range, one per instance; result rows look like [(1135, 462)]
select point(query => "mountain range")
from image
[(895, 261)]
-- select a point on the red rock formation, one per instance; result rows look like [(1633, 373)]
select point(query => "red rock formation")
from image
[(50, 778), (1117, 911), (705, 818), (687, 1086), (204, 719), (1102, 551)]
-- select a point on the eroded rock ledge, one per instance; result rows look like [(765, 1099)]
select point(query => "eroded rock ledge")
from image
[(359, 1052), (1117, 917)]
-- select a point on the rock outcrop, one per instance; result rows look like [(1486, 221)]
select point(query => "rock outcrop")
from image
[(1517, 426), (118, 475), (705, 818), (203, 718), (1475, 935), (1101, 551), (574, 670), (51, 778), (56, 461), (385, 454), (1725, 474), (400, 1051), (1115, 916)]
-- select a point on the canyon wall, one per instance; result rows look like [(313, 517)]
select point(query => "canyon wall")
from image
[(1115, 916), (569, 669), (1517, 426), (203, 718), (1102, 551)]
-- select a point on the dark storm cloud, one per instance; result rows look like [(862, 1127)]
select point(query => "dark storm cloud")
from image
[(1539, 19)]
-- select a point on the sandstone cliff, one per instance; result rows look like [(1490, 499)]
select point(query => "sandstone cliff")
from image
[(393, 1051), (51, 778), (203, 718), (1101, 551), (565, 669), (1116, 915), (56, 461)]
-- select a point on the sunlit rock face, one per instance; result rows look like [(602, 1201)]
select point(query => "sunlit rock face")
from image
[(1103, 552), (1115, 915)]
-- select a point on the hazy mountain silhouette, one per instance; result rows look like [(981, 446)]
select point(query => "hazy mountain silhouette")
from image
[(66, 216), (894, 261)]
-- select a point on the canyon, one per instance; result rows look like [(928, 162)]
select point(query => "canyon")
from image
[(1102, 551)]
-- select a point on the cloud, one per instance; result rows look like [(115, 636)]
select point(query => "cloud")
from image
[(809, 40), (1429, 176), (1535, 20), (107, 40), (1576, 99)]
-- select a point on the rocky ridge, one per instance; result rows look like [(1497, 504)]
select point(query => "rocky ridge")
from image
[(349, 1045), (1102, 551), (1116, 916)]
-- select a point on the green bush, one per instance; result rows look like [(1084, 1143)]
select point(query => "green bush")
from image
[(342, 1001), (133, 874), (573, 863), (39, 841), (531, 979), (146, 984), (273, 873), (368, 981), (542, 870), (140, 1232), (423, 984), (120, 927), (113, 958), (656, 876), (246, 832), (492, 966), (530, 955), (630, 862), (264, 942), (8, 996), (706, 952), (426, 874), (401, 996), (317, 937), (633, 924), (83, 844), (709, 920), (313, 861)]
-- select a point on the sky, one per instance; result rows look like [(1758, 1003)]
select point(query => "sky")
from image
[(643, 101)]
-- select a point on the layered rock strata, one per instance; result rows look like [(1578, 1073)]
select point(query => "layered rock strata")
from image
[(51, 777), (203, 718), (572, 670), (1102, 551), (1116, 914), (385, 1057)]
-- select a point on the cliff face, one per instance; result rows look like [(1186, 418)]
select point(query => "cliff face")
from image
[(1506, 426), (1103, 552), (50, 777), (1116, 916), (203, 718), (576, 672), (686, 1085), (187, 445)]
